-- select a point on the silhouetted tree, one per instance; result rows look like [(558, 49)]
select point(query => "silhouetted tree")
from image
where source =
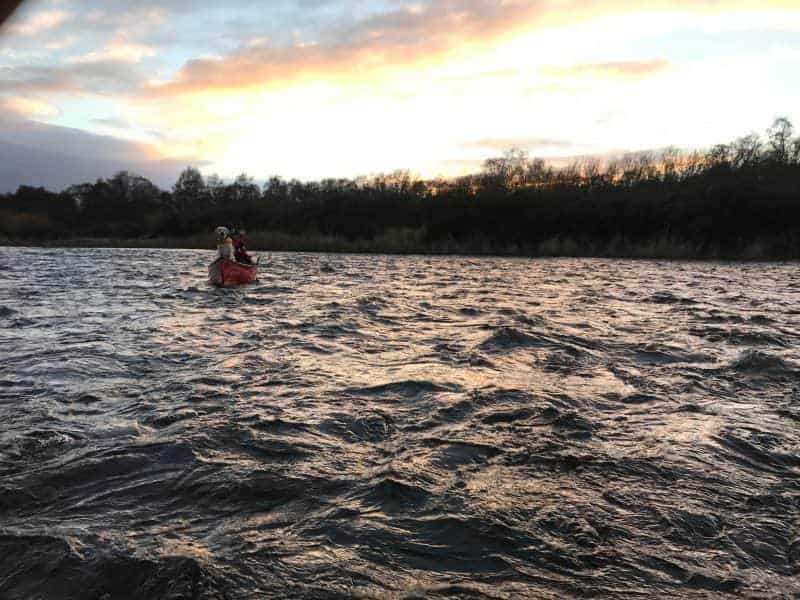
[(670, 165), (780, 139), (508, 170), (243, 190), (746, 152), (189, 190), (216, 188)]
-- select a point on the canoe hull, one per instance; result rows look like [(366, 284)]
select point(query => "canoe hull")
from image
[(227, 273)]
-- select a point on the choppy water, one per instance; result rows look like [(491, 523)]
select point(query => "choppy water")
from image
[(397, 427)]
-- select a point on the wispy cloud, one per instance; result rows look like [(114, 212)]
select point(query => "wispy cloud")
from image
[(526, 143), (38, 22), (61, 43), (126, 18), (630, 69), (102, 77), (117, 50), (113, 122)]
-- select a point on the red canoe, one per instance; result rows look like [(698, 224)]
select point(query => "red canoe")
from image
[(228, 273)]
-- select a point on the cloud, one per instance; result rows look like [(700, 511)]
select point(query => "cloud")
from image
[(438, 78), (457, 166), (418, 33), (64, 42), (112, 122), (55, 157), (397, 38), (526, 143), (632, 69), (108, 34), (138, 19), (101, 76), (38, 22), (33, 134), (117, 50), (27, 107), (123, 18)]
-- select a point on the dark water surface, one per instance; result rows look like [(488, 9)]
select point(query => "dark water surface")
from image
[(397, 427)]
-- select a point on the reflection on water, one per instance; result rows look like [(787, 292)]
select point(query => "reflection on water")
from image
[(396, 427)]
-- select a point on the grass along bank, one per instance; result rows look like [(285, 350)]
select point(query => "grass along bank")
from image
[(412, 241)]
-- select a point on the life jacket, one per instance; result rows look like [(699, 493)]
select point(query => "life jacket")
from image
[(227, 241)]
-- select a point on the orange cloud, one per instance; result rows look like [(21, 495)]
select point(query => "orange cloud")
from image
[(27, 107), (422, 34), (397, 39)]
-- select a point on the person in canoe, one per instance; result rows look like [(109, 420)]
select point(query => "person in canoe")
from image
[(226, 271), (240, 249), (224, 243)]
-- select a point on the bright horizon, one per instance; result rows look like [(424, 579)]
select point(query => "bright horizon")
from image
[(331, 88)]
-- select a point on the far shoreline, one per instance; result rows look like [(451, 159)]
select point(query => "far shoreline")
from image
[(259, 242)]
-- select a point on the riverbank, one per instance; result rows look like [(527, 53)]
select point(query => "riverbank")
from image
[(412, 242)]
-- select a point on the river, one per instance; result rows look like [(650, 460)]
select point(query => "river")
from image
[(397, 427)]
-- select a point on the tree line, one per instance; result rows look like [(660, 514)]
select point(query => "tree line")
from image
[(718, 202)]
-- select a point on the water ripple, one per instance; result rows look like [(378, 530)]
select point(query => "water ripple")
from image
[(397, 427)]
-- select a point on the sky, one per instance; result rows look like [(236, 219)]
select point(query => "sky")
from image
[(341, 88)]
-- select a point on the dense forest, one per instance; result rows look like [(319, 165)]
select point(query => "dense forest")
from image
[(738, 200)]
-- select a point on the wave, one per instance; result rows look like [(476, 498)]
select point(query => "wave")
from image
[(509, 416), (756, 361), (43, 444), (393, 495), (666, 297), (44, 566), (375, 427), (760, 451), (451, 454), (739, 337), (510, 338), (408, 388), (397, 427), (661, 354), (574, 426)]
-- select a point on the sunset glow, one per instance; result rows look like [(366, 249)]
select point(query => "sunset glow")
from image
[(338, 89)]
